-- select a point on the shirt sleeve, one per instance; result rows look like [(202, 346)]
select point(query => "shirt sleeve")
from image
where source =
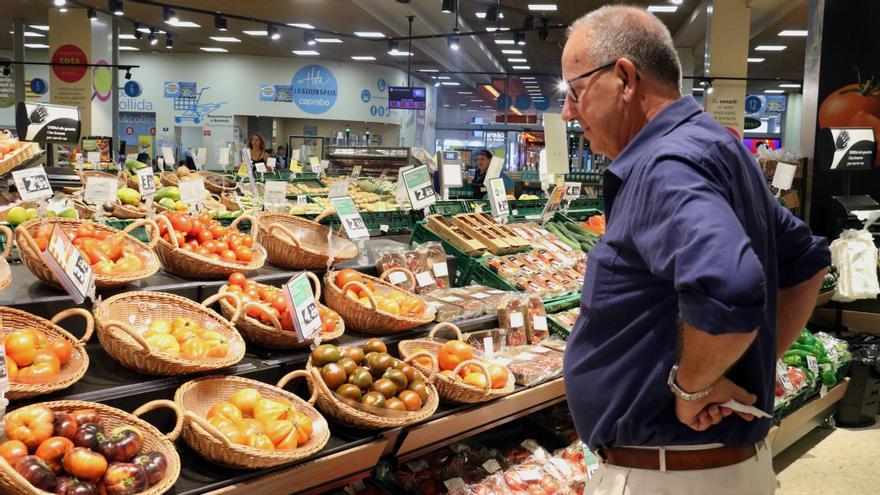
[(687, 232), (799, 254)]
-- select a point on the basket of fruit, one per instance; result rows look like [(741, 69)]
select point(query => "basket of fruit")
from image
[(300, 244), (41, 357), (117, 257), (241, 423), (218, 183), (163, 334), (200, 247), (169, 179), (264, 318), (85, 174), (83, 210), (465, 375), (372, 306), (14, 152), (76, 447), (366, 387)]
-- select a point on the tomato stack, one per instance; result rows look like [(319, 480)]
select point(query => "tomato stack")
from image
[(70, 453), (107, 252), (206, 236), (455, 352), (33, 359), (394, 302), (184, 337), (250, 419)]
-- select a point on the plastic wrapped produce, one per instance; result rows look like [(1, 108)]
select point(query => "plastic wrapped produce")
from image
[(418, 263), (512, 318), (437, 261), (537, 330), (489, 342), (389, 258), (460, 297), (530, 363), (489, 296)]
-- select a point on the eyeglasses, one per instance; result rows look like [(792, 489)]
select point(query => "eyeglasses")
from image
[(569, 90)]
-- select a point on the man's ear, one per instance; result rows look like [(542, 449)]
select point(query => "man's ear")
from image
[(626, 71)]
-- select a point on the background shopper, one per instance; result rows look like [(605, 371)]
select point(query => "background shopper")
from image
[(257, 146), (484, 159), (701, 279)]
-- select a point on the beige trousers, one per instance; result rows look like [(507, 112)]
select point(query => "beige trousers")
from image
[(753, 476)]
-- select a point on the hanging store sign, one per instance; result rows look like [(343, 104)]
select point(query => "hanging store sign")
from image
[(46, 123)]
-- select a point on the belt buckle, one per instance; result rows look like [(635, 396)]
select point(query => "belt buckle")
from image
[(600, 456)]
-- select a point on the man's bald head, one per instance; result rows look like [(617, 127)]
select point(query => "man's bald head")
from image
[(620, 31)]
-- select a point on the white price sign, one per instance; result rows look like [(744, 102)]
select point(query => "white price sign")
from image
[(32, 183), (70, 267), (270, 162), (498, 198), (275, 192), (299, 295), (339, 188), (350, 217), (315, 164), (223, 157), (261, 167), (784, 176), (192, 192), (302, 199), (146, 184), (94, 157), (201, 158), (355, 171), (572, 191), (419, 187), (100, 190), (553, 203), (784, 379), (168, 155)]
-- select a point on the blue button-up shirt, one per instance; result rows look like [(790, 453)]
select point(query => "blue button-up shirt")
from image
[(693, 234)]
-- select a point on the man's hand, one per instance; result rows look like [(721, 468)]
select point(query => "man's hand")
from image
[(700, 415)]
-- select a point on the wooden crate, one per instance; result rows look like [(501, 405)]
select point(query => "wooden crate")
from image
[(455, 236)]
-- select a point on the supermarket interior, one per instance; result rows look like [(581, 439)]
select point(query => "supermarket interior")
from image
[(359, 246)]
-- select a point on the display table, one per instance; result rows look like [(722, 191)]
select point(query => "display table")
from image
[(812, 414)]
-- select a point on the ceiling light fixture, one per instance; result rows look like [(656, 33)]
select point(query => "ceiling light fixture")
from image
[(126, 36), (60, 3), (255, 33), (363, 58), (41, 27), (504, 42), (138, 35), (152, 39), (450, 83), (306, 53), (301, 25), (169, 15), (793, 32), (517, 60), (512, 52), (272, 30), (36, 46), (662, 9), (93, 16), (369, 34), (522, 67), (774, 91), (141, 28), (428, 70), (453, 42), (226, 39), (309, 38), (542, 7), (123, 48), (770, 48), (485, 15), (755, 60), (220, 23), (328, 40), (676, 2), (115, 6), (520, 38), (213, 49), (169, 41), (790, 85)]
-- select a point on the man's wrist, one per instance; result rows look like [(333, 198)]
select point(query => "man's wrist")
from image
[(691, 383), (686, 394)]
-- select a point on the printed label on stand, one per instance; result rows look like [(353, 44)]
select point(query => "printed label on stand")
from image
[(498, 198), (419, 187), (530, 445), (489, 347), (275, 192), (784, 176), (339, 188), (440, 269), (355, 171), (299, 295), (572, 191), (68, 265), (168, 155), (350, 217), (32, 183), (270, 162), (397, 278), (784, 379), (424, 279), (146, 184), (553, 203), (302, 199), (192, 192), (813, 365), (261, 167), (100, 190), (223, 157), (201, 158), (315, 164)]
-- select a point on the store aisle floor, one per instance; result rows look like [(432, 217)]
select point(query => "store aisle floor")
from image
[(842, 461)]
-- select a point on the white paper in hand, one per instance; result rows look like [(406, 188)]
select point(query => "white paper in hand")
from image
[(740, 407)]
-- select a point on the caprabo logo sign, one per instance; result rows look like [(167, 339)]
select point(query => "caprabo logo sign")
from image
[(314, 89)]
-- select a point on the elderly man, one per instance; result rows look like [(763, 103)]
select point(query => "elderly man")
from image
[(700, 282)]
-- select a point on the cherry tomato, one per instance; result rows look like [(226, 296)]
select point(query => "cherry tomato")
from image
[(245, 254), (20, 347), (205, 218), (195, 229), (234, 288), (180, 221), (247, 241), (218, 230), (228, 255), (204, 252), (237, 278), (279, 302), (205, 236)]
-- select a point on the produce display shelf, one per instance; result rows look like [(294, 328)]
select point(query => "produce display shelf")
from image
[(803, 420)]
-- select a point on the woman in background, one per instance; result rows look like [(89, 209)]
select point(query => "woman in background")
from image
[(257, 146)]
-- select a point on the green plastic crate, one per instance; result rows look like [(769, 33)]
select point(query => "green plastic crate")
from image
[(580, 215), (451, 207), (557, 328), (588, 203)]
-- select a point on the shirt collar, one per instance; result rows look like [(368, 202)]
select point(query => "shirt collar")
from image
[(668, 119)]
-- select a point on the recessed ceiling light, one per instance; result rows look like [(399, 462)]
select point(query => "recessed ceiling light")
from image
[(755, 60), (793, 32), (309, 53), (142, 29), (39, 46), (183, 24), (400, 54), (450, 83), (213, 49), (504, 42), (442, 77), (41, 27), (774, 91), (464, 92), (129, 48), (789, 85), (676, 2), (697, 90), (517, 60), (476, 101), (662, 9), (256, 33), (369, 34), (770, 48), (126, 36), (512, 52), (226, 39), (301, 25), (31, 34), (428, 70), (328, 40), (542, 7), (522, 67), (363, 57), (482, 15), (527, 78)]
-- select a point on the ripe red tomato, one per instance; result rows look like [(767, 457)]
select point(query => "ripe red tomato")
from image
[(196, 228), (205, 236), (180, 221), (842, 105), (237, 278), (228, 255), (189, 247), (247, 241), (279, 302), (245, 254), (218, 230), (347, 275), (205, 218), (13, 450), (203, 252), (52, 450)]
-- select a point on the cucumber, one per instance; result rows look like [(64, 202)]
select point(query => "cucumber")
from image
[(573, 227), (585, 247), (562, 237), (574, 235)]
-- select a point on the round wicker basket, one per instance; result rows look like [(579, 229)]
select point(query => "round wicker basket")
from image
[(196, 398), (216, 188), (370, 319), (300, 244)]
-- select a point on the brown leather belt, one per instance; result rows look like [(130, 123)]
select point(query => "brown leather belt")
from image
[(676, 460)]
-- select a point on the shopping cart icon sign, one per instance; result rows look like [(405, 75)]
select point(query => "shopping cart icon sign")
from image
[(192, 109)]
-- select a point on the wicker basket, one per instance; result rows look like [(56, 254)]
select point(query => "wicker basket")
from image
[(193, 265), (33, 259), (229, 203), (272, 336), (27, 151), (85, 174), (117, 316), (169, 179), (196, 398), (7, 248), (330, 405), (127, 213), (410, 278), (300, 244), (369, 319), (452, 390), (111, 418), (84, 211), (214, 188), (72, 371)]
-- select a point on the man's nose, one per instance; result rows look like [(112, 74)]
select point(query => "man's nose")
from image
[(569, 110)]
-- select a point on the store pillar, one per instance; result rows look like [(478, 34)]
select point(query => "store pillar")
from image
[(727, 48)]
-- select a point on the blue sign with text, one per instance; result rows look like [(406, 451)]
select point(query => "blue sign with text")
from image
[(314, 89), (38, 86), (132, 89), (753, 104)]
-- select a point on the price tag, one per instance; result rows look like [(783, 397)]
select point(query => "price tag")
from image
[(323, 166), (275, 192), (397, 278), (32, 183), (78, 158), (479, 295), (419, 187), (502, 361), (424, 279), (784, 379), (530, 475), (223, 157), (454, 484), (315, 164), (530, 445), (94, 157), (70, 267), (416, 466), (498, 198), (553, 203), (784, 176), (516, 319), (440, 269), (539, 322), (201, 158), (270, 162), (298, 292), (541, 350), (831, 349), (168, 155), (450, 299), (383, 228), (192, 192), (100, 190), (562, 465), (339, 189), (813, 365), (261, 167), (146, 184), (302, 199), (489, 346), (491, 466), (572, 191), (4, 377), (355, 171), (350, 217)]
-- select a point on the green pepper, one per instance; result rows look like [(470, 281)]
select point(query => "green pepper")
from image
[(792, 360), (828, 378), (806, 337)]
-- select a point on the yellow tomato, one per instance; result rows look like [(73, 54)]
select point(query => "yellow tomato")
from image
[(245, 399), (164, 343)]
